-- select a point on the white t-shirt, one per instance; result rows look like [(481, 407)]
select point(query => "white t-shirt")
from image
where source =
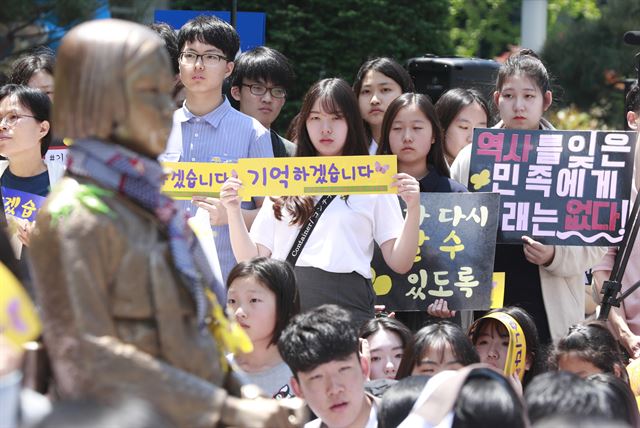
[(275, 382), (342, 240)]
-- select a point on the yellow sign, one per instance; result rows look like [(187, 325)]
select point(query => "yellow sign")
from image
[(187, 179), (18, 319), (318, 175), (497, 291)]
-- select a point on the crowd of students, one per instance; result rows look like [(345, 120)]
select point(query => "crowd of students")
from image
[(310, 314)]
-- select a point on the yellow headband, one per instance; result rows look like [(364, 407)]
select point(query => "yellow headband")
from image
[(517, 351)]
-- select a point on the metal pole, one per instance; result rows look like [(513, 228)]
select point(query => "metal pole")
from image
[(234, 13)]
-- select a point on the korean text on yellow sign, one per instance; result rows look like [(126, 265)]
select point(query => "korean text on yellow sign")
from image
[(286, 176)]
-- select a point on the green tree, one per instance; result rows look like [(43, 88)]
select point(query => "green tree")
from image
[(484, 28), (588, 59), (326, 38)]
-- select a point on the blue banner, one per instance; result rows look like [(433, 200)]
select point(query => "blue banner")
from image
[(251, 25), (21, 204)]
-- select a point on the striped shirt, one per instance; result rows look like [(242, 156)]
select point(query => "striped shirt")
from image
[(222, 135)]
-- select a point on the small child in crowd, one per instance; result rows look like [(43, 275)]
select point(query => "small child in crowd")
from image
[(263, 298)]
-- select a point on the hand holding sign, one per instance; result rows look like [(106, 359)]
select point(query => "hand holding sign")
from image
[(229, 192), (537, 253), (24, 232), (408, 189), (215, 208), (440, 309)]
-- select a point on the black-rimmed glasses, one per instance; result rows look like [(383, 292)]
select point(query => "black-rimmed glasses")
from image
[(208, 59), (259, 90)]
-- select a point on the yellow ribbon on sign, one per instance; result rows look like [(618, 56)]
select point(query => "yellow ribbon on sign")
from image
[(517, 351), (18, 318)]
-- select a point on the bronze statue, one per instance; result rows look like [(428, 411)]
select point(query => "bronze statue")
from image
[(118, 277)]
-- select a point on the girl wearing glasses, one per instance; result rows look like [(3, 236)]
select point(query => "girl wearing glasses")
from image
[(334, 266), (25, 135)]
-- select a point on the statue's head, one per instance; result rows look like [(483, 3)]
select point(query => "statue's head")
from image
[(113, 82)]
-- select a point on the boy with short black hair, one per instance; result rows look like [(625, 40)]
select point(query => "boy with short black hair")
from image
[(320, 347), (260, 82), (206, 128)]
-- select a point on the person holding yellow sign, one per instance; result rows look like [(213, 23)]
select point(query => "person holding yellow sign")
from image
[(331, 254), (128, 300)]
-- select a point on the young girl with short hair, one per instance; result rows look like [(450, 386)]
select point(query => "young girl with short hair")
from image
[(546, 280), (460, 110), (263, 297), (334, 265), (378, 82)]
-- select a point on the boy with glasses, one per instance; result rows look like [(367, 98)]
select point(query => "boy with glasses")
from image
[(206, 128), (261, 78)]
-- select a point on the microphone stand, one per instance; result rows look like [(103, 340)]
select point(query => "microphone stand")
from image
[(612, 287)]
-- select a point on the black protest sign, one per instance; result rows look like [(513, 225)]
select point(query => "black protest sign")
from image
[(455, 255), (558, 187)]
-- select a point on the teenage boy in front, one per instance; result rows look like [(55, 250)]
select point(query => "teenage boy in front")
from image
[(206, 128), (261, 79), (320, 347)]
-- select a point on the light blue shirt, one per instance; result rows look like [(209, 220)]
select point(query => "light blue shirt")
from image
[(222, 135)]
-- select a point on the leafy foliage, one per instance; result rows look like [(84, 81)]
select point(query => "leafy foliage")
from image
[(589, 59), (484, 28)]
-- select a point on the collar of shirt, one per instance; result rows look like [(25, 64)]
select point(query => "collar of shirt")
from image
[(429, 183), (213, 117)]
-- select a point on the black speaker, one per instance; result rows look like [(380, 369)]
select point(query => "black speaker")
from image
[(433, 75)]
